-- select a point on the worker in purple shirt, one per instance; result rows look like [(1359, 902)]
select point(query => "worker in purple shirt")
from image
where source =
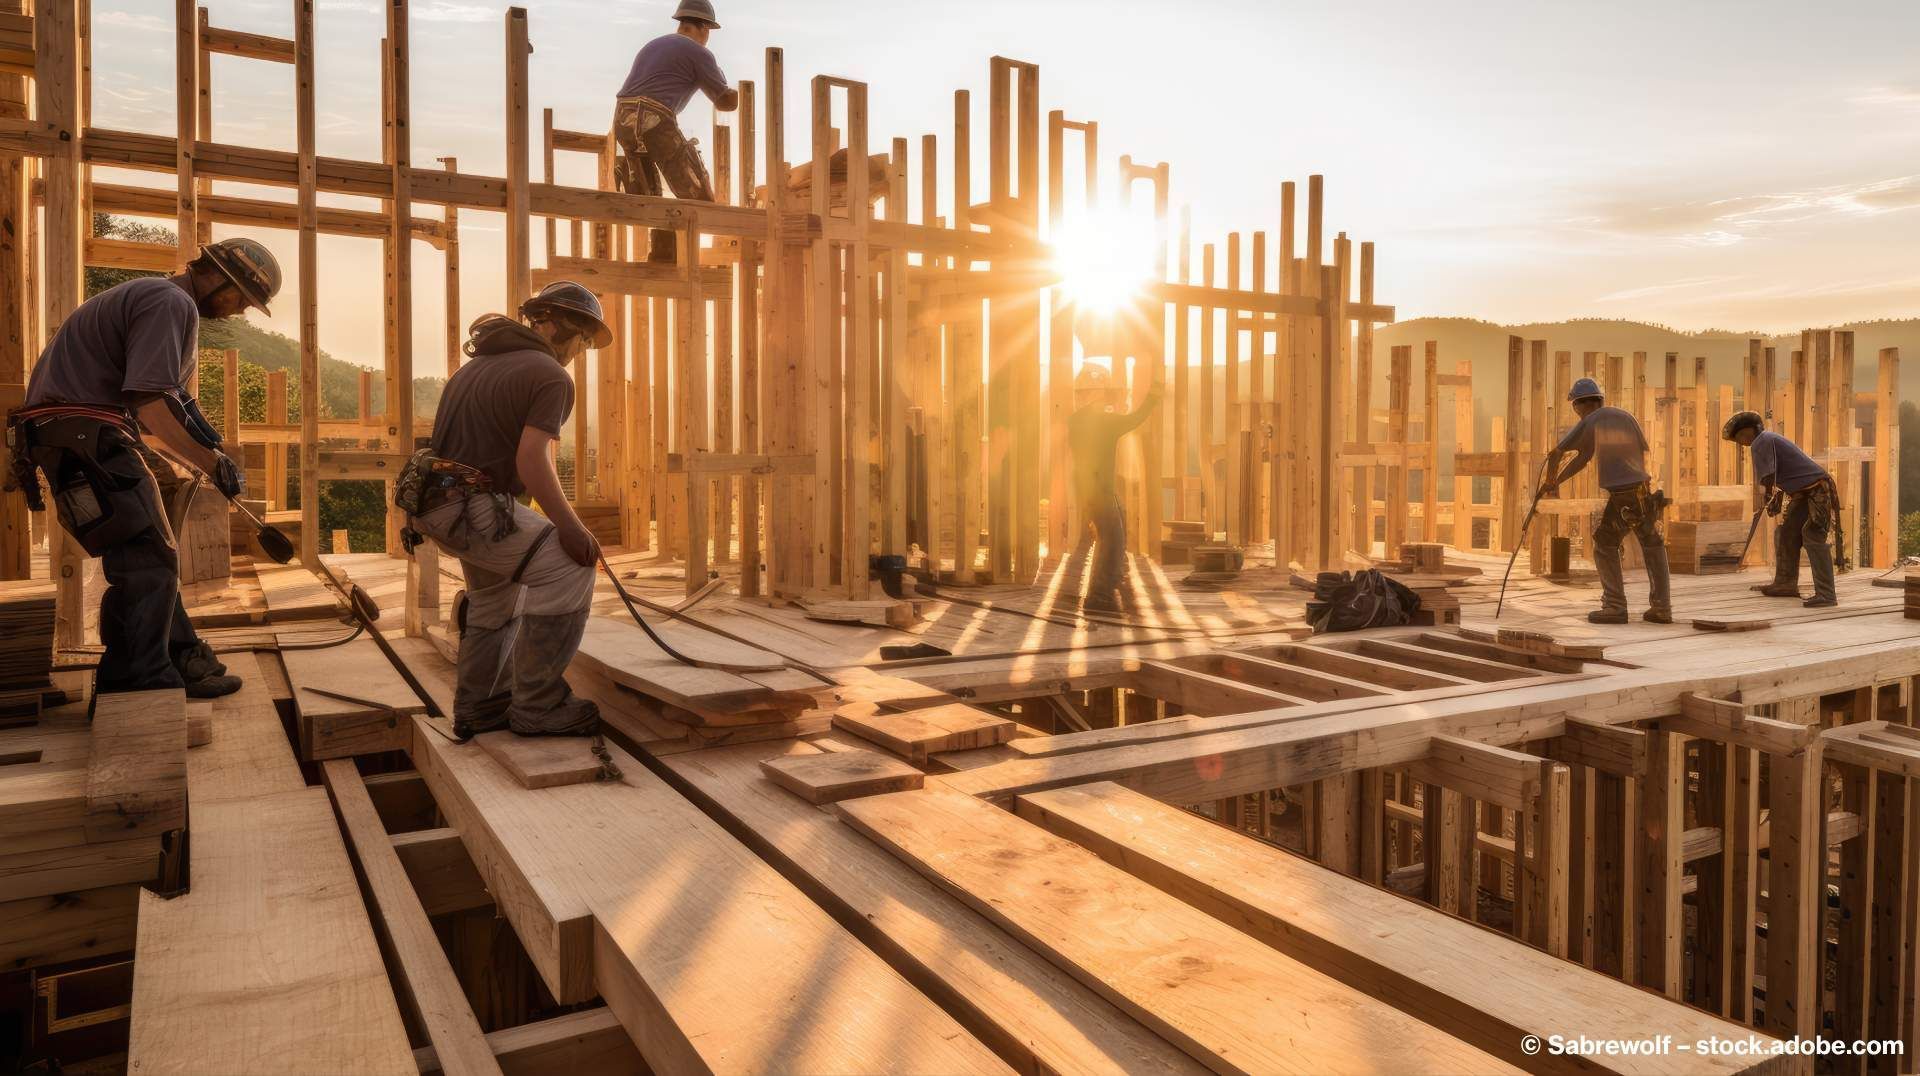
[(646, 119), (1810, 495), (1613, 440)]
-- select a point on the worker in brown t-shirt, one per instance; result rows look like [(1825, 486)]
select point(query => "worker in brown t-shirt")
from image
[(529, 576)]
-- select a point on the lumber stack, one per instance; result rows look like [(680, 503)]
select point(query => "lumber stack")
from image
[(1706, 547), (26, 646), (1182, 536), (1913, 596), (1423, 556)]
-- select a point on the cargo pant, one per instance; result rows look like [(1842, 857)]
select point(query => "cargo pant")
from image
[(1806, 524), (520, 633), (144, 627), (1631, 511), (654, 153), (1109, 522)]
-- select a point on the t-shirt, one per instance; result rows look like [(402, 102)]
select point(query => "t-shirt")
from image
[(122, 346), (1614, 436), (1093, 436), (668, 70), (490, 400), (1779, 459)]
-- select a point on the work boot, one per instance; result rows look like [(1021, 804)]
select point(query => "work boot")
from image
[(543, 704), (1820, 559), (1613, 586), (198, 661), (1659, 585), (212, 686), (1781, 590)]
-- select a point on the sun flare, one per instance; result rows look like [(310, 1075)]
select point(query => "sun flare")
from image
[(1104, 259)]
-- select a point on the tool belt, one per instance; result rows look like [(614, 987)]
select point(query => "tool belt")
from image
[(102, 491), (1841, 562), (427, 482)]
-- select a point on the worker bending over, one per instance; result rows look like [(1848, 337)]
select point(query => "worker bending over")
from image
[(1614, 438), (1093, 436), (1810, 493), (529, 576), (646, 117), (124, 365)]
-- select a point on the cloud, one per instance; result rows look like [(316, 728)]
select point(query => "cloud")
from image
[(1718, 222), (131, 21), (1664, 288), (1906, 98), (449, 11)]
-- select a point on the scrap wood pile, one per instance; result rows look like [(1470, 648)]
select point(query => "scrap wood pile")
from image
[(26, 645)]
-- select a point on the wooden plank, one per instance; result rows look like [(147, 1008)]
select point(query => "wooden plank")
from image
[(639, 913), (230, 977), (916, 734), (249, 755), (1796, 894), (333, 727), (137, 775), (75, 867), (1494, 774), (442, 873), (1487, 990), (1460, 665), (1034, 1015), (1368, 670), (590, 1042), (436, 995), (541, 761), (1662, 795), (1174, 968), (837, 775), (85, 925)]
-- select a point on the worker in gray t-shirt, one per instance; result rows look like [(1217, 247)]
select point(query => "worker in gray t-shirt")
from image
[(1809, 518), (656, 155), (121, 373), (1613, 438)]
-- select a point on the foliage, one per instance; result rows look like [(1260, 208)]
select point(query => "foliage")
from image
[(1909, 454), (1910, 535)]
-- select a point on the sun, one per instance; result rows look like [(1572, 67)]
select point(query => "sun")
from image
[(1104, 259)]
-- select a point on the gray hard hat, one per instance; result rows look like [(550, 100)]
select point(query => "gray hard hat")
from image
[(1740, 421), (1585, 389), (698, 11), (249, 265), (576, 302)]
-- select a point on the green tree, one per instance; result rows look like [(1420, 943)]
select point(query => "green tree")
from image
[(1909, 454), (1910, 535)]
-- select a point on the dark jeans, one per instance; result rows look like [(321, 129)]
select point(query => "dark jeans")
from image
[(659, 157), (1109, 551), (142, 622)]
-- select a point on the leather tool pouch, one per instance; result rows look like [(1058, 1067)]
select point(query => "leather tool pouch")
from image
[(103, 493)]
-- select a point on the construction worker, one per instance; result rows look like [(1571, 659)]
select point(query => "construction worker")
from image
[(121, 376), (1810, 495), (529, 576), (1614, 438), (1093, 436), (646, 117)]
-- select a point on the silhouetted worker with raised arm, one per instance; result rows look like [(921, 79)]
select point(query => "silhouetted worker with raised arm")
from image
[(1093, 436), (646, 118), (1613, 439)]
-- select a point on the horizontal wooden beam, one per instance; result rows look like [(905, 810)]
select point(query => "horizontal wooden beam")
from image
[(578, 141), (361, 466), (127, 254), (1723, 721), (607, 277), (738, 463), (1493, 774), (224, 42)]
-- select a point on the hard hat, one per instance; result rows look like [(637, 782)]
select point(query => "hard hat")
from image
[(698, 11), (250, 266), (1586, 389), (1740, 421), (575, 301), (1092, 377)]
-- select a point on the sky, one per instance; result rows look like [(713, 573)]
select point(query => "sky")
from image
[(1699, 164)]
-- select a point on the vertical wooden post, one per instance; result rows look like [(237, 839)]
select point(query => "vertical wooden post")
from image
[(1398, 375), (1820, 399), (1543, 881), (1723, 961), (1660, 926), (1185, 437), (1886, 462), (1257, 396), (1463, 433), (751, 547), (1289, 382), (1510, 496), (16, 350), (861, 396), (1362, 477), (1210, 490), (1796, 894), (57, 88), (690, 321), (1430, 466), (276, 491), (1541, 438), (450, 245), (186, 72), (309, 271), (519, 228), (230, 400)]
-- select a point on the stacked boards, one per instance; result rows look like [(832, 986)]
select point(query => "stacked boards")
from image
[(26, 647), (1706, 547), (1912, 604)]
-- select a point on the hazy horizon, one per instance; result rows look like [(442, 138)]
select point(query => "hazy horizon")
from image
[(1743, 167)]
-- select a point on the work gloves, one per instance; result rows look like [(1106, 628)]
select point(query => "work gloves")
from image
[(229, 479)]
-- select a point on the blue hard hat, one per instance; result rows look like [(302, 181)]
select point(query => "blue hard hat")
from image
[(1586, 388)]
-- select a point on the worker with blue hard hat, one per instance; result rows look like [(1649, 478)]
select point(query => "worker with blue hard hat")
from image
[(1613, 438)]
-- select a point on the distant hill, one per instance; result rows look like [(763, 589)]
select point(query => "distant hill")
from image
[(339, 380), (1484, 343)]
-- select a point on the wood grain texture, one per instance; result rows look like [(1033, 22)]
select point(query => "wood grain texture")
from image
[(839, 775)]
